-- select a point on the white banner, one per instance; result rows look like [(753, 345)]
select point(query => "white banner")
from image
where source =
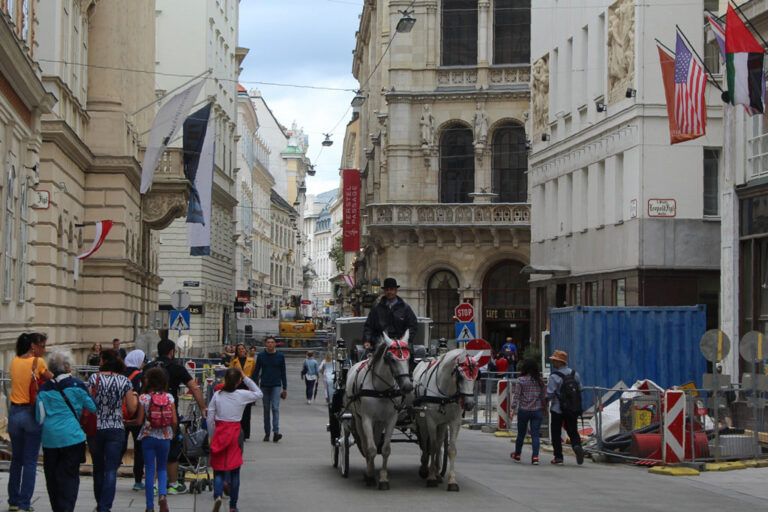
[(167, 122), (199, 235)]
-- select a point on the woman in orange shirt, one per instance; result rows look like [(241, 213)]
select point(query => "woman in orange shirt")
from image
[(247, 364), (26, 433)]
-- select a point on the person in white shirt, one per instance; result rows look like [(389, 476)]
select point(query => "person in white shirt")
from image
[(326, 370), (223, 421)]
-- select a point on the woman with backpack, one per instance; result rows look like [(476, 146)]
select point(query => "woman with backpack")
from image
[(246, 363), (134, 362), (530, 401), (108, 388), (158, 420), (223, 422)]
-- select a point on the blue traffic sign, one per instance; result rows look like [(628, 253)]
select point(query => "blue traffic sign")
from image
[(179, 320), (465, 331)]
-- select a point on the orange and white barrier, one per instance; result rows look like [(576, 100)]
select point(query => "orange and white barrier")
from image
[(673, 449), (505, 402)]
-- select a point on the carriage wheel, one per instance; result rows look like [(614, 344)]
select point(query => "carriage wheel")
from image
[(445, 456), (343, 445)]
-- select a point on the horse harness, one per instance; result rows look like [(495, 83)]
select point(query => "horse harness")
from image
[(466, 365), (399, 352)]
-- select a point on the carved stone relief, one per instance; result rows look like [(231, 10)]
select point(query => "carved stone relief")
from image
[(540, 95), (621, 49), (160, 209)]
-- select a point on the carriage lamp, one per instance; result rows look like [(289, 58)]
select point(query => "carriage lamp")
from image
[(442, 346), (376, 285), (341, 353)]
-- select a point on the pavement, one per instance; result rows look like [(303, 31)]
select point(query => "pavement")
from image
[(296, 475)]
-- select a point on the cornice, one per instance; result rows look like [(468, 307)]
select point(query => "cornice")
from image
[(109, 164), (66, 89), (21, 71), (59, 133), (458, 96)]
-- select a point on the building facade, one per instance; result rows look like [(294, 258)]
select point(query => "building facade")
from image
[(317, 261), (285, 279), (192, 38), (443, 160), (620, 216)]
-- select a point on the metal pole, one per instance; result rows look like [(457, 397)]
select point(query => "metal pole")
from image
[(756, 425), (691, 417), (716, 406), (478, 383), (145, 107)]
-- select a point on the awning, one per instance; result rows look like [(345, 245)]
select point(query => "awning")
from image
[(554, 270)]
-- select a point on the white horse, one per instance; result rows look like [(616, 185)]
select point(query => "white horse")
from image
[(376, 388), (443, 386)]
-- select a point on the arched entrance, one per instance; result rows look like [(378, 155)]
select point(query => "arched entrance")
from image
[(506, 305), (442, 299)]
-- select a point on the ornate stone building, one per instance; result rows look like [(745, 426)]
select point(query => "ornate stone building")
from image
[(443, 159), (620, 216)]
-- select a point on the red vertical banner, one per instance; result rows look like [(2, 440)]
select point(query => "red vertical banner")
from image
[(351, 238)]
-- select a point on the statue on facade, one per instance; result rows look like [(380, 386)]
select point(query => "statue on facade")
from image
[(621, 44), (540, 95), (427, 124), (481, 123), (383, 140)]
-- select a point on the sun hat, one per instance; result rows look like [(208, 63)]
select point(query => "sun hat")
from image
[(560, 355)]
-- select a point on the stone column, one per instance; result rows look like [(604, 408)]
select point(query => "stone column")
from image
[(483, 30)]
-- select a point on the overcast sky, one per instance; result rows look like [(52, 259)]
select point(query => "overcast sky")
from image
[(304, 42)]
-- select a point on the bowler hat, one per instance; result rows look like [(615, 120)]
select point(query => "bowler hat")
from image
[(560, 355), (390, 283)]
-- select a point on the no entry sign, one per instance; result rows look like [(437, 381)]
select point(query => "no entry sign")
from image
[(480, 350), (464, 312)]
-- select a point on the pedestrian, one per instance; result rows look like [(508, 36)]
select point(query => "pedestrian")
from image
[(177, 375), (391, 315), (509, 350), (134, 362), (502, 365), (326, 370), (95, 356), (252, 352), (246, 363), (271, 376), (564, 394), (310, 372), (25, 432), (108, 388), (529, 400), (227, 355), (116, 346), (226, 409), (158, 420), (59, 407)]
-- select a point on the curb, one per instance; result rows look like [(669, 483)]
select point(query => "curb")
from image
[(724, 466), (673, 471)]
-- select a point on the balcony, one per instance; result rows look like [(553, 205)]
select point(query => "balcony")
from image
[(457, 223), (169, 196)]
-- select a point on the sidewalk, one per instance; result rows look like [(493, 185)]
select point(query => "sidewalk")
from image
[(125, 497)]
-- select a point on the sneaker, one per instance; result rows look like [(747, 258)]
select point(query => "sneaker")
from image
[(557, 462), (579, 451), (162, 504), (177, 488), (277, 437), (217, 504), (515, 457), (13, 508), (309, 402), (535, 461), (266, 438), (138, 486)]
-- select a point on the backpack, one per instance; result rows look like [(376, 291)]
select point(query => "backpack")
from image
[(126, 416), (569, 393), (160, 410)]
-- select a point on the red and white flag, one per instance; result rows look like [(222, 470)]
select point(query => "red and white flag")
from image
[(102, 230), (349, 280)]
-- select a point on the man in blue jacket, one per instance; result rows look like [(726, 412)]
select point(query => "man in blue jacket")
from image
[(270, 374)]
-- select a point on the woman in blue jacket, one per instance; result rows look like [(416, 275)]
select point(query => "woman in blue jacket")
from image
[(60, 403)]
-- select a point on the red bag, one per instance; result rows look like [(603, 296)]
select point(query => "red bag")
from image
[(126, 416), (160, 412), (88, 419), (35, 383)]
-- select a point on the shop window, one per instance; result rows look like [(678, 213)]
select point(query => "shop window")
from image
[(618, 287)]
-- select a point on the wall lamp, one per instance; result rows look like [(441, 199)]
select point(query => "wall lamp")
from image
[(405, 24), (601, 107), (631, 93), (528, 145), (545, 137)]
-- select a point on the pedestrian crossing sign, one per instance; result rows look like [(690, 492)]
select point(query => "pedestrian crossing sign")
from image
[(465, 331), (180, 320)]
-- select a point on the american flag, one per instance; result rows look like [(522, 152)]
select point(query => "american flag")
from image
[(690, 83)]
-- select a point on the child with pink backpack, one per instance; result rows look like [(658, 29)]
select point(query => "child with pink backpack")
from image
[(158, 420)]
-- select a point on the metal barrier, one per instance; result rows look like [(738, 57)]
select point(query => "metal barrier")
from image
[(718, 425), (487, 400)]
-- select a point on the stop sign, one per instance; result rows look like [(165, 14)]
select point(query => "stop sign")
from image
[(480, 350), (464, 312)]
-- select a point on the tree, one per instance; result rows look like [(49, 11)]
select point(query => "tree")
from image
[(337, 254)]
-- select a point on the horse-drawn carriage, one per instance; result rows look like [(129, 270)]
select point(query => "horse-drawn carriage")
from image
[(397, 393)]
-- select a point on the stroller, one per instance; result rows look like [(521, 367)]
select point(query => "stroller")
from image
[(195, 450)]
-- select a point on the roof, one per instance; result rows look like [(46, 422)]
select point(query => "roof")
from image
[(278, 200), (292, 150), (327, 197), (240, 89)]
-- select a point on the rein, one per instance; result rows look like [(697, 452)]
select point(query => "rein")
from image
[(392, 392), (443, 398)]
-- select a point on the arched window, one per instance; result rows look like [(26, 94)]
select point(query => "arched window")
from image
[(510, 162), (442, 299), (511, 31), (457, 165), (459, 33)]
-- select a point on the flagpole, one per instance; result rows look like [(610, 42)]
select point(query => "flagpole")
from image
[(709, 73), (665, 46), (744, 17), (206, 72)]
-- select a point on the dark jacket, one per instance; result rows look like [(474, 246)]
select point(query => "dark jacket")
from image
[(394, 321), (269, 371)]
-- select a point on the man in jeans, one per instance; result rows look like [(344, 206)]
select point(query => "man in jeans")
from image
[(558, 415), (270, 374)]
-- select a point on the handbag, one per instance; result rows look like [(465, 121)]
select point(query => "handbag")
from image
[(88, 419), (66, 400), (35, 383)]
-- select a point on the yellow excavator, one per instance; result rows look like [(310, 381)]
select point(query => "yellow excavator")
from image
[(292, 322)]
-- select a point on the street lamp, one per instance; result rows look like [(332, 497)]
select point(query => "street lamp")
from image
[(376, 285), (359, 99), (327, 142), (405, 24)]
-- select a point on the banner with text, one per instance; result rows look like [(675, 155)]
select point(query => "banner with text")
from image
[(351, 240)]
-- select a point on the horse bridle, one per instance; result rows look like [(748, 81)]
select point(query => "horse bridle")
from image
[(400, 352), (461, 363)]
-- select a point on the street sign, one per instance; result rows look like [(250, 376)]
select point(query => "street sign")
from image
[(180, 320), (714, 345), (481, 350), (191, 284), (180, 299), (464, 312), (158, 320), (305, 301), (465, 331), (753, 347)]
